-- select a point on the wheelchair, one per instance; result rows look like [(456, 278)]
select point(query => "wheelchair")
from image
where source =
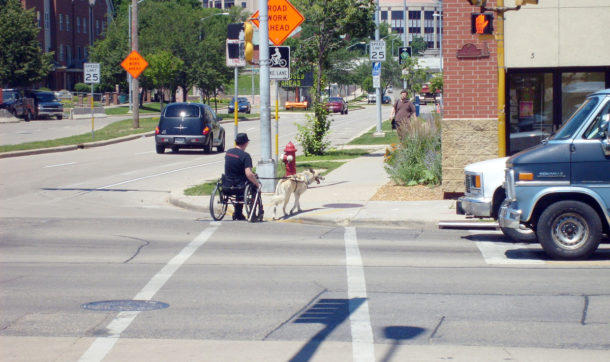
[(248, 195)]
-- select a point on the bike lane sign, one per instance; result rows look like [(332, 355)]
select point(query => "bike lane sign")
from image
[(279, 66)]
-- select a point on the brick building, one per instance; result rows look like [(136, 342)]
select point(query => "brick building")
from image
[(556, 53), (68, 28)]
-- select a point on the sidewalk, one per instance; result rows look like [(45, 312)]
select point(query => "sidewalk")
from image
[(344, 198)]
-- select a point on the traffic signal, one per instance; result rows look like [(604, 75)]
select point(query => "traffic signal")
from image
[(481, 23), (524, 2), (403, 54), (233, 41), (248, 45)]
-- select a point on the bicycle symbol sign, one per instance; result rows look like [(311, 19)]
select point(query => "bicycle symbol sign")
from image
[(279, 66)]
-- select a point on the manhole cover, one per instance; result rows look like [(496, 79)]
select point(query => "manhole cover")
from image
[(124, 305)]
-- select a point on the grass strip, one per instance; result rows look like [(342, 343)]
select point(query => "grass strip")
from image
[(206, 188), (368, 138), (113, 130)]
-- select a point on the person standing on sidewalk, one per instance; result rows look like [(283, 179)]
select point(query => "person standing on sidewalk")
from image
[(402, 112), (238, 171)]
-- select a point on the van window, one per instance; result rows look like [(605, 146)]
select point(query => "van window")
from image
[(576, 119), (183, 110), (596, 130)]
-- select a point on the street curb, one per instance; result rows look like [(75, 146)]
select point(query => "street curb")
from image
[(39, 151), (296, 219)]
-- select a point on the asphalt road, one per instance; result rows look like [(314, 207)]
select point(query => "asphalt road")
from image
[(95, 264)]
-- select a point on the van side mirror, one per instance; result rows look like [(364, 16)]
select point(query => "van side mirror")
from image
[(606, 138)]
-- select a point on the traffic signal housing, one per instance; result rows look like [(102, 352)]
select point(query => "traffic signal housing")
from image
[(403, 54), (248, 44), (478, 2), (481, 23), (524, 2)]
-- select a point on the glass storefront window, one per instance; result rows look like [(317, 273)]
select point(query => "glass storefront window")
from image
[(530, 109), (575, 87)]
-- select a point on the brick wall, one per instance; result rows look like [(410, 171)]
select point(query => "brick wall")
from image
[(469, 96)]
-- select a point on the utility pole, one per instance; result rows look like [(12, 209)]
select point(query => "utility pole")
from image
[(266, 165), (404, 34), (134, 81), (378, 132)]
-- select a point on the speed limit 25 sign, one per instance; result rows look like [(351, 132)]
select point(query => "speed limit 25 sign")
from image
[(92, 73), (377, 51)]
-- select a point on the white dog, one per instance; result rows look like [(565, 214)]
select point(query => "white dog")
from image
[(295, 184)]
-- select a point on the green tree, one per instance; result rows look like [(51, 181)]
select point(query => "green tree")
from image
[(328, 26), (111, 51), (436, 83), (162, 69), (415, 75), (418, 45), (22, 61)]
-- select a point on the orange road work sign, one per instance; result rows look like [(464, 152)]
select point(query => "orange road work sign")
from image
[(134, 64), (283, 19)]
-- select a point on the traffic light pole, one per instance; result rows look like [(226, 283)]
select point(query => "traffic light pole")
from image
[(236, 103), (266, 166), (501, 81)]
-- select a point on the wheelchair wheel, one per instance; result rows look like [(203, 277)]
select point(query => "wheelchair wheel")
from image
[(218, 203), (252, 204)]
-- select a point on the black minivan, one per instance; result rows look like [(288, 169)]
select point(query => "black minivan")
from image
[(189, 125)]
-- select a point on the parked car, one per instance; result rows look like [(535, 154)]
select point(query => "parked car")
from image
[(18, 105), (372, 98), (189, 125), (46, 104), (336, 105), (243, 105), (561, 188), (63, 94), (484, 194)]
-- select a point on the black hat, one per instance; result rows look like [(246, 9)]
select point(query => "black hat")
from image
[(241, 139)]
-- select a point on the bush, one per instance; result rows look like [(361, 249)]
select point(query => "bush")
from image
[(313, 134), (82, 87), (417, 161)]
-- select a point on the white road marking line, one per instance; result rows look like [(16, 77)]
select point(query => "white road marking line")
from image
[(363, 348), (102, 345), (60, 164), (144, 153), (495, 253), (157, 174)]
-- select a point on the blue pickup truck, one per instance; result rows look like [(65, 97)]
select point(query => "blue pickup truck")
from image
[(561, 188)]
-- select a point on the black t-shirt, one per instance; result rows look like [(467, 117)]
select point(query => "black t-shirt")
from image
[(236, 162)]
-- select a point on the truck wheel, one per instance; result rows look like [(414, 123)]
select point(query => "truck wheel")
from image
[(28, 116), (569, 230), (523, 234)]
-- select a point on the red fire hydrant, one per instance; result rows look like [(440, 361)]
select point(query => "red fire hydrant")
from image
[(289, 159)]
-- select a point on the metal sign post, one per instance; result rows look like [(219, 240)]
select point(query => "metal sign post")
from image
[(92, 76)]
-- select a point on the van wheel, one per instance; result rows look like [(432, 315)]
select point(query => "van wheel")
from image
[(569, 230), (59, 118), (160, 149)]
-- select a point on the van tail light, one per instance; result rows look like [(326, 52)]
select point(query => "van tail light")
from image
[(206, 131), (157, 130)]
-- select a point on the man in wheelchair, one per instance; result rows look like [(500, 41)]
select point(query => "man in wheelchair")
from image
[(238, 171)]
